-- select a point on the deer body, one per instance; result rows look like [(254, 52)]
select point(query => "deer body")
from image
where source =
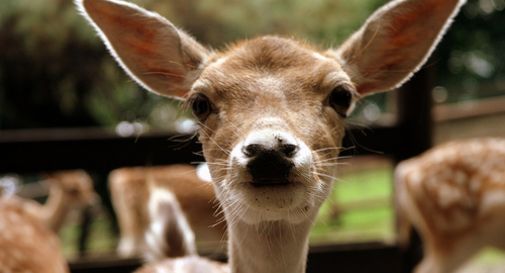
[(28, 230), (271, 110), (454, 195), (191, 264), (27, 244), (132, 189)]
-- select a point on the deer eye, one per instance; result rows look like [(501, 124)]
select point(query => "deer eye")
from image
[(201, 106), (340, 100)]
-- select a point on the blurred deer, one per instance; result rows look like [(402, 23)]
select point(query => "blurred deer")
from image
[(161, 209), (271, 112), (27, 244), (28, 240), (454, 196), (68, 190)]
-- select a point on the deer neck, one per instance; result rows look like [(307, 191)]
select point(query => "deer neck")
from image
[(268, 247), (55, 209)]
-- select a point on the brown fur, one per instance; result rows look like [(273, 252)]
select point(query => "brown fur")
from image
[(70, 189), (26, 243), (453, 195), (185, 265), (273, 92), (297, 98), (130, 193)]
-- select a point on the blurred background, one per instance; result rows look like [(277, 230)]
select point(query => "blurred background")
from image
[(55, 73)]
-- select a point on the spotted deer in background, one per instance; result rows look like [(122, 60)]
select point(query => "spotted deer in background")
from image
[(454, 195), (28, 229), (271, 112)]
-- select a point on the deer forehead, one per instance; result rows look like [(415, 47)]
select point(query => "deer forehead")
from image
[(271, 66)]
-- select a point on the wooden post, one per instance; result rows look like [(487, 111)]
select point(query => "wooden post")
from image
[(415, 124)]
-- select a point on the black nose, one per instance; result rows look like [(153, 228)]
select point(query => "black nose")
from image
[(252, 150), (270, 166)]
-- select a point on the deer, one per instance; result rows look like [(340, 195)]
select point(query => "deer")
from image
[(27, 244), (68, 190), (28, 230), (163, 210), (272, 112), (454, 196)]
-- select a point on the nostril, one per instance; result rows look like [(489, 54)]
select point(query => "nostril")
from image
[(252, 150), (288, 149), (270, 167)]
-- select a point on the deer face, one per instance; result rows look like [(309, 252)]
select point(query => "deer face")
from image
[(271, 109), (76, 185), (271, 113)]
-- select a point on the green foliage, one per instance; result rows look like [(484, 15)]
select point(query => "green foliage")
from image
[(223, 21), (358, 209), (100, 241), (54, 71), (470, 60)]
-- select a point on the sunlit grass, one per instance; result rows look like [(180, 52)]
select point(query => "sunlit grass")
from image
[(487, 261), (101, 239), (358, 209)]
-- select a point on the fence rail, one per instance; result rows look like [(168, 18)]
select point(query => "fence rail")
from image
[(102, 151)]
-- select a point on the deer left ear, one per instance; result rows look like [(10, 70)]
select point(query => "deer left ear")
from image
[(395, 42), (155, 53)]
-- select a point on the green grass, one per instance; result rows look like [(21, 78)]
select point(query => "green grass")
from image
[(101, 239), (366, 213), (364, 197), (490, 256), (359, 209)]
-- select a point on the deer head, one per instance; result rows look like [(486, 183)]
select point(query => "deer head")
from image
[(75, 186), (272, 110)]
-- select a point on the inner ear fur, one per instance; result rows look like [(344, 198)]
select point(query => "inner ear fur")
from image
[(159, 56), (395, 42)]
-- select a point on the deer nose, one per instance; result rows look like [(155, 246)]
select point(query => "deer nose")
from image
[(270, 166), (253, 150)]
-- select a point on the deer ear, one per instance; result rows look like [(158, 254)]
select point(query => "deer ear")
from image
[(160, 57), (395, 42)]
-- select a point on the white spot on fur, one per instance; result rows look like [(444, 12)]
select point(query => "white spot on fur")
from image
[(180, 265), (416, 177), (491, 200), (202, 171), (126, 247), (161, 269), (448, 195), (319, 56), (155, 236), (200, 84), (219, 62)]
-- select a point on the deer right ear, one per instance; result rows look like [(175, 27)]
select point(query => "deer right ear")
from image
[(395, 42), (160, 57)]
